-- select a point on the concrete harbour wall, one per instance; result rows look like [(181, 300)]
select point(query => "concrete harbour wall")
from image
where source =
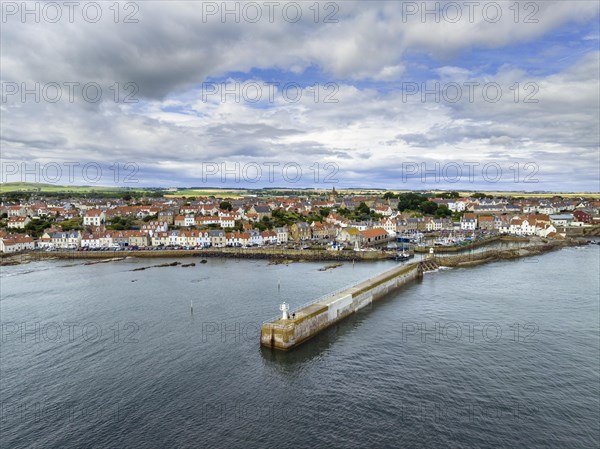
[(312, 319)]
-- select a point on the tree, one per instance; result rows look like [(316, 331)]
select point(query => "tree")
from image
[(261, 226), (324, 211), (410, 201), (71, 225), (450, 195), (389, 196), (35, 228), (226, 205), (363, 209), (457, 216), (428, 207), (121, 223), (443, 211), (480, 196)]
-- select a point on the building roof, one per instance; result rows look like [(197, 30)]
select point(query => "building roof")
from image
[(375, 232)]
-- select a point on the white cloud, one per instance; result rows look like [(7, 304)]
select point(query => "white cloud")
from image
[(368, 133)]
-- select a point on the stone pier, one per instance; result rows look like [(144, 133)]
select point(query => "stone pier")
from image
[(311, 319)]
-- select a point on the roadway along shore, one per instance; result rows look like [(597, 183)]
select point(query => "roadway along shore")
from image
[(236, 253), (537, 246)]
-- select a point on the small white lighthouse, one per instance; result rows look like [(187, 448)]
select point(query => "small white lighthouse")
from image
[(284, 307)]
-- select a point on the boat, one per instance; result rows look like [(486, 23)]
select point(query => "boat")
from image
[(402, 256), (417, 237)]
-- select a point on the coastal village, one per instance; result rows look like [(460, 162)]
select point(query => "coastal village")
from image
[(329, 220)]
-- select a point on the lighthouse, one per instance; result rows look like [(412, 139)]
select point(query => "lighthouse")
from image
[(284, 307)]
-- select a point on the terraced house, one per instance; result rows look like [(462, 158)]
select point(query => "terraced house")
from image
[(13, 243), (60, 240), (218, 239), (18, 222)]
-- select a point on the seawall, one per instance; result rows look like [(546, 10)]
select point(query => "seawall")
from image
[(251, 253)]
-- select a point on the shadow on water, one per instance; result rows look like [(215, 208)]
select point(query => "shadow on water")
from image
[(315, 349)]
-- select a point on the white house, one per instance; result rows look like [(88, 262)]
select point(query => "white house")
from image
[(457, 206), (189, 221), (519, 226), (18, 222), (547, 209), (227, 221), (193, 237), (546, 230), (255, 237), (468, 224), (282, 235), (203, 221), (238, 238), (16, 242), (390, 225), (561, 220), (160, 239), (94, 217), (386, 211), (269, 237), (60, 239), (208, 209), (153, 227), (90, 241), (17, 211)]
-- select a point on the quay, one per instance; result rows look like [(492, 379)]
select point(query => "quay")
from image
[(293, 329)]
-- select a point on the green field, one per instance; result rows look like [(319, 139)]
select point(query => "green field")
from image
[(217, 193), (29, 187)]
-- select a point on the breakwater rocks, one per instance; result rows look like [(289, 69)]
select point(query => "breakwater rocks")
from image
[(171, 264), (331, 267), (113, 259), (162, 265)]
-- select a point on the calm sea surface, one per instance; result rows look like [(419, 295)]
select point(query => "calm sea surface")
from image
[(99, 356)]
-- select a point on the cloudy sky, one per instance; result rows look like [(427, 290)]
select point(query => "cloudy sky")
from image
[(406, 95)]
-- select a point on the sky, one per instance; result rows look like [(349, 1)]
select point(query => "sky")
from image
[(379, 94)]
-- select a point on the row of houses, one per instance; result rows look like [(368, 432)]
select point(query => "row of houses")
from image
[(472, 221), (107, 239), (12, 243), (217, 238)]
